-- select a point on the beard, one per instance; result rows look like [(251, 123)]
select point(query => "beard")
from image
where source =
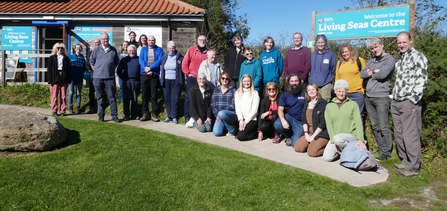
[(295, 90)]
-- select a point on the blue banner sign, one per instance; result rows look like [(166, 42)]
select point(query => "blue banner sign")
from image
[(86, 34), (383, 22), (18, 39)]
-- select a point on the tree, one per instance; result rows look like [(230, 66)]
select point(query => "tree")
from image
[(223, 22)]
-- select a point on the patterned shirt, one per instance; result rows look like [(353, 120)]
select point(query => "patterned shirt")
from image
[(222, 101), (411, 76)]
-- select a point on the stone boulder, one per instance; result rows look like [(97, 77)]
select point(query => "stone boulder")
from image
[(22, 130)]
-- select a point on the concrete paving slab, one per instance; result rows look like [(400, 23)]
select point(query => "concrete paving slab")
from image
[(265, 149)]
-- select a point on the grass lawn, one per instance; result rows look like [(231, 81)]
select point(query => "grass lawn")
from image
[(118, 167)]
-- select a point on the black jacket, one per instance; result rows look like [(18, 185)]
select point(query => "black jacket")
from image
[(233, 62), (200, 107), (53, 73), (264, 107), (317, 118)]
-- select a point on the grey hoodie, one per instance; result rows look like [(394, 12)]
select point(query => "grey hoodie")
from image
[(379, 83)]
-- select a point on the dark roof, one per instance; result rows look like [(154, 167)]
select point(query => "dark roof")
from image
[(99, 7)]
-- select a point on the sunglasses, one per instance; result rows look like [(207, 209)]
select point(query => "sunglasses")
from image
[(225, 79), (248, 54), (60, 48), (271, 89)]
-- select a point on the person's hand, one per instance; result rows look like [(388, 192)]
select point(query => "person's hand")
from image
[(190, 75), (260, 136), (265, 114), (147, 69), (360, 144), (241, 125), (309, 138), (218, 120), (376, 70), (285, 124), (338, 149), (208, 120), (199, 122)]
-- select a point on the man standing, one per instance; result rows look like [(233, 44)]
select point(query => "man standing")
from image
[(150, 60), (297, 59), (190, 66), (411, 80), (104, 60), (91, 88), (290, 108), (378, 73)]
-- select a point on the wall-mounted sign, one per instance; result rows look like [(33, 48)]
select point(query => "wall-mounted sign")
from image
[(383, 22), (155, 31), (18, 39), (85, 34)]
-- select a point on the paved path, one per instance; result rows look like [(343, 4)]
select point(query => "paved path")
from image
[(264, 149)]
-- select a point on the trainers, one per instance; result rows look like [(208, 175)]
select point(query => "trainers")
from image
[(70, 110), (154, 117), (288, 142), (166, 120), (116, 120), (190, 123), (406, 173), (145, 117), (175, 121), (277, 138), (399, 166), (383, 157)]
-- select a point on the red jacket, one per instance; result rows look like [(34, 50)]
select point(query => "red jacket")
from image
[(192, 60)]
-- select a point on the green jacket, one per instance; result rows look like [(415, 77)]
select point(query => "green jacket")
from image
[(343, 119)]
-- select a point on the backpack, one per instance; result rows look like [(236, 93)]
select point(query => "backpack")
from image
[(352, 158), (369, 163), (359, 65)]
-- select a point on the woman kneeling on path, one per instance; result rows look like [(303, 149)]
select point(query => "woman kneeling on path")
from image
[(315, 136), (343, 123), (247, 103), (268, 113)]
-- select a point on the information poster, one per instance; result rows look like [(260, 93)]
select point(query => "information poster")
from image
[(88, 33), (155, 31), (18, 40)]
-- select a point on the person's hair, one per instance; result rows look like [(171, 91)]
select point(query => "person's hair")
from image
[(225, 74), (209, 51), (406, 33), (139, 39), (269, 84), (170, 44), (374, 41), (267, 39), (238, 37), (74, 49), (203, 76), (288, 87), (240, 91), (322, 36), (316, 88), (59, 45), (132, 32), (341, 84), (201, 36), (104, 33), (299, 34), (132, 46), (122, 44), (248, 49), (351, 51)]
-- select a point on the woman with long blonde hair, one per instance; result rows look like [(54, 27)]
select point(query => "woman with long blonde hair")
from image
[(247, 103)]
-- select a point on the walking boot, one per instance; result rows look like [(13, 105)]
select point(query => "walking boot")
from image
[(70, 110)]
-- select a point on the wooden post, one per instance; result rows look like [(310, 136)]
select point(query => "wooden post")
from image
[(412, 17), (4, 68)]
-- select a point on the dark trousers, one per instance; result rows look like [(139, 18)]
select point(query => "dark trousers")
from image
[(91, 92), (190, 82), (149, 92), (131, 90), (249, 133), (172, 92)]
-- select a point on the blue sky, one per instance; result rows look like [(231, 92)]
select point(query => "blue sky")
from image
[(284, 17)]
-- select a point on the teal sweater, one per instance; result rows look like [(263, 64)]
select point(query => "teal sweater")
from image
[(343, 119), (253, 68)]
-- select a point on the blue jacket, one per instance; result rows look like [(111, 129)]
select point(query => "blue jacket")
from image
[(252, 68), (78, 67), (323, 68), (352, 157), (155, 67), (180, 76), (272, 65)]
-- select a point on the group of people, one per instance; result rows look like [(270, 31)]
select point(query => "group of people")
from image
[(241, 98)]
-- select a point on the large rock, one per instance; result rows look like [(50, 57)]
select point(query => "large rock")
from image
[(22, 130)]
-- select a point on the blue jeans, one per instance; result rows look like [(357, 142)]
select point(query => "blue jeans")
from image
[(71, 86), (226, 124), (190, 82), (109, 86), (295, 125), (377, 108), (172, 93)]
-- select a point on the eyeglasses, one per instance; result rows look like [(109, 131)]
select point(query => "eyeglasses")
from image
[(225, 79), (60, 48), (248, 54), (271, 89)]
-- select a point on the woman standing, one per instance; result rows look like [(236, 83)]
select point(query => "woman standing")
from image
[(247, 103), (271, 62), (268, 113), (348, 68), (323, 64), (234, 58), (222, 104), (211, 69), (343, 123), (142, 42), (315, 136), (252, 66), (59, 76), (123, 53), (200, 105), (78, 67), (171, 80)]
